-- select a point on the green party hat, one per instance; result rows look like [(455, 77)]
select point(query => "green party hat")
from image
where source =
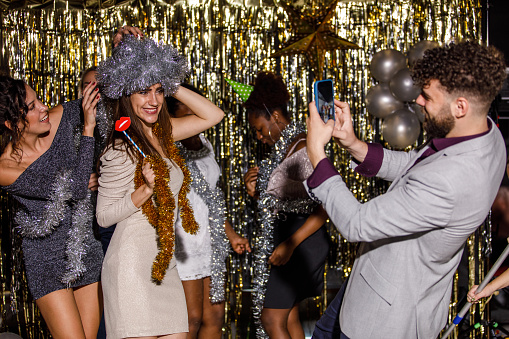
[(244, 91)]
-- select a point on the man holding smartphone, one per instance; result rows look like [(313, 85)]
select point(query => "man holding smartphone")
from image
[(413, 235), (324, 99)]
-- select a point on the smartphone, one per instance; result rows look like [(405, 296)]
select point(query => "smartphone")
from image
[(324, 99)]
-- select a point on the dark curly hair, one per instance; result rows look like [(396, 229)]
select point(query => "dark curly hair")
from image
[(269, 93), (13, 109), (466, 67)]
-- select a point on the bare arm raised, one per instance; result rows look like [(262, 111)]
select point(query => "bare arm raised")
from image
[(206, 115)]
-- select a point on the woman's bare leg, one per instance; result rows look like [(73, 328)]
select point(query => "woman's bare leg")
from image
[(275, 322), (213, 315), (294, 324), (61, 314), (193, 290), (89, 299)]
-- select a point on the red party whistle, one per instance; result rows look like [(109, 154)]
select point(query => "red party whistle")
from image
[(122, 124)]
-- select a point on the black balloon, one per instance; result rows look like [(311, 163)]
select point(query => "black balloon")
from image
[(402, 86), (380, 102), (401, 129), (417, 51), (386, 63)]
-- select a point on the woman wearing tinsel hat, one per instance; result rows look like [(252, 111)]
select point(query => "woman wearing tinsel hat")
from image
[(143, 294), (201, 257), (46, 162), (291, 237)]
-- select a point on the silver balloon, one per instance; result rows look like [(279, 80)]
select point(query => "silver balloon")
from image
[(417, 51), (417, 110), (401, 129), (402, 86), (386, 63), (380, 102)]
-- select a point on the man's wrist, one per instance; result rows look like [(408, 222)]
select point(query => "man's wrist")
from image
[(316, 155), (359, 150)]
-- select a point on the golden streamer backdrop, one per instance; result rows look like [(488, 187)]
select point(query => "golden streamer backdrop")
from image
[(49, 47)]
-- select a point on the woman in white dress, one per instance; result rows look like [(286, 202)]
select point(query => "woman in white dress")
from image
[(201, 257), (143, 294)]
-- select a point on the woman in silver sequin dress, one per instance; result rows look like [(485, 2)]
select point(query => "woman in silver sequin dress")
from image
[(287, 215), (44, 171)]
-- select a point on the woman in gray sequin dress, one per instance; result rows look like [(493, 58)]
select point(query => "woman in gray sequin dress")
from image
[(46, 167)]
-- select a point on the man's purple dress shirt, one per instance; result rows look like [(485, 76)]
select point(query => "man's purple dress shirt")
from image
[(373, 160)]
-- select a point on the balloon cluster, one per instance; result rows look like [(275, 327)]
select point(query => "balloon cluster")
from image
[(393, 98)]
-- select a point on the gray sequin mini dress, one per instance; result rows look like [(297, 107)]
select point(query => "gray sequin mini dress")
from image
[(59, 248)]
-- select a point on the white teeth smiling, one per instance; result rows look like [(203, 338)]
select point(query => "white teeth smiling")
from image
[(45, 118)]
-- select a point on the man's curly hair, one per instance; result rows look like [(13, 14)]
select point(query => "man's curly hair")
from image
[(269, 93), (466, 67)]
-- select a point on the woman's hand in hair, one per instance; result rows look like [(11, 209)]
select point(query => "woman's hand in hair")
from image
[(126, 30), (91, 97)]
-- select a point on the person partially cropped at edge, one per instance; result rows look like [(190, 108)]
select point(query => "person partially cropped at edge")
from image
[(412, 236)]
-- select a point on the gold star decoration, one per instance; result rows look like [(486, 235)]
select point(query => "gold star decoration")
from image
[(312, 36)]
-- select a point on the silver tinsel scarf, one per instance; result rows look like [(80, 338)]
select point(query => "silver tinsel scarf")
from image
[(82, 216), (267, 207), (54, 213), (214, 199)]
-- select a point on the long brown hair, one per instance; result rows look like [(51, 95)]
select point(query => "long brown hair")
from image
[(122, 108)]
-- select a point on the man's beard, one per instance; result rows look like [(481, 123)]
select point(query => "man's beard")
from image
[(439, 126)]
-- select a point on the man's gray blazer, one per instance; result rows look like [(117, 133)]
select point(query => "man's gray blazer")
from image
[(413, 235)]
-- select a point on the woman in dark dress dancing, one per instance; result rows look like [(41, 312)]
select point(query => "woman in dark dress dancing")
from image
[(292, 237), (46, 166)]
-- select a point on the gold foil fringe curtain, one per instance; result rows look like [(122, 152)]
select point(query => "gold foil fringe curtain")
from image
[(224, 39)]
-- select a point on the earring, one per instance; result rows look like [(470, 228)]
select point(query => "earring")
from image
[(270, 135)]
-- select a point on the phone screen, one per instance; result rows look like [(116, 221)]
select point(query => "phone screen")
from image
[(324, 99)]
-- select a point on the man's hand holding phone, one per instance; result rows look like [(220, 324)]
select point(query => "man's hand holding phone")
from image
[(324, 99), (344, 134), (319, 134)]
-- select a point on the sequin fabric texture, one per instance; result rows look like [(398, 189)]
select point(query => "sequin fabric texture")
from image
[(66, 254)]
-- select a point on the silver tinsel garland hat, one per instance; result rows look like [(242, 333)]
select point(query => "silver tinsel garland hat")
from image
[(137, 64)]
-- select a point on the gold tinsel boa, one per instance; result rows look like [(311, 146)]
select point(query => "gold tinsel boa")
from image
[(160, 214)]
